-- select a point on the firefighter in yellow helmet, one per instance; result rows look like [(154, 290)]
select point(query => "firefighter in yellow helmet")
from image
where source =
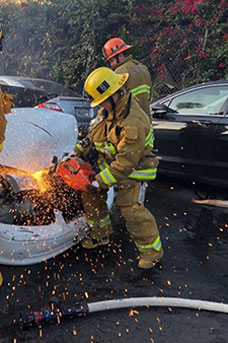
[(123, 139), (139, 81), (5, 107)]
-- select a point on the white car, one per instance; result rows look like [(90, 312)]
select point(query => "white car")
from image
[(40, 217)]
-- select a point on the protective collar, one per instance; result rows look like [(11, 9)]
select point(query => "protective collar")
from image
[(127, 59), (121, 107)]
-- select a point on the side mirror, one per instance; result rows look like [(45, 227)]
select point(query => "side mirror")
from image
[(159, 110)]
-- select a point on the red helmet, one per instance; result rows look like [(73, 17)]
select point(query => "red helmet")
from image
[(113, 47)]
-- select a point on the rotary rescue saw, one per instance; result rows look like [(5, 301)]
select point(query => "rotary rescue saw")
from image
[(76, 173)]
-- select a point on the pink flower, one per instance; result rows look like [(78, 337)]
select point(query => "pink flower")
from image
[(193, 9), (222, 3), (171, 33), (225, 36), (159, 11), (222, 65), (185, 10), (163, 75), (24, 4), (154, 52), (166, 29), (198, 22), (174, 9), (202, 54), (161, 67)]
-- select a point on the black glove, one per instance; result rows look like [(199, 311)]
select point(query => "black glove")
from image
[(91, 156)]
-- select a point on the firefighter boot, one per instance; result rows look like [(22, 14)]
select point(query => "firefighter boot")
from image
[(150, 258), (91, 243), (98, 237)]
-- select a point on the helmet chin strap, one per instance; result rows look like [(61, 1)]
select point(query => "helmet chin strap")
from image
[(113, 106)]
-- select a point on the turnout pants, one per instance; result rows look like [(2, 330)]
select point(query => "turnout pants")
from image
[(140, 223), (97, 215)]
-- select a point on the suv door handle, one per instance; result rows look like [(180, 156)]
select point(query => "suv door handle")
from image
[(206, 122), (202, 122)]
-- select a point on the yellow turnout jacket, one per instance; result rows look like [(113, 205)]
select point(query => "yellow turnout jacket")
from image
[(124, 142)]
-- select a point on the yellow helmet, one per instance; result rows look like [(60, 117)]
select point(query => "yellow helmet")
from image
[(102, 83)]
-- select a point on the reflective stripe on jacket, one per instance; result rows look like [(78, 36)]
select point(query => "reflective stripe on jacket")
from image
[(105, 148), (140, 89)]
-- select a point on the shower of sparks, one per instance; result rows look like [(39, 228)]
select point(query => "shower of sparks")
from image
[(132, 312), (42, 183)]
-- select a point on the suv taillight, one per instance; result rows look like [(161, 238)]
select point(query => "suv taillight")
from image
[(51, 106)]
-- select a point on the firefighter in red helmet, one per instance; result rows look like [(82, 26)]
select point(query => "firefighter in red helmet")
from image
[(139, 82)]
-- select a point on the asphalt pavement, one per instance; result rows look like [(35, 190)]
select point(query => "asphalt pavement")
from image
[(194, 266)]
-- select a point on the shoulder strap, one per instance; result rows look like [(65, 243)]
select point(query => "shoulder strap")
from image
[(128, 107)]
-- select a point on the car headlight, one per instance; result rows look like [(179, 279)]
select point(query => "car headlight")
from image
[(20, 181)]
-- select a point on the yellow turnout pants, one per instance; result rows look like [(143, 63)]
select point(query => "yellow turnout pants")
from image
[(140, 223)]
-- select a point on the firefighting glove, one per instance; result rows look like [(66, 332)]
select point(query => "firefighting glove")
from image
[(91, 156)]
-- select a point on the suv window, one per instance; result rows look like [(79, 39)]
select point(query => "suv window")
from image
[(204, 101)]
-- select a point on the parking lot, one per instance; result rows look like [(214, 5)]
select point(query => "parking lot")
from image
[(194, 266)]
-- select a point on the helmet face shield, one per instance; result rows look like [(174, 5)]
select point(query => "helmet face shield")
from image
[(102, 83)]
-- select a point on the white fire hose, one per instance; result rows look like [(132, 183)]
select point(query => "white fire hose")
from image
[(157, 301), (60, 311)]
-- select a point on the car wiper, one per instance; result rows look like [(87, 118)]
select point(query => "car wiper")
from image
[(217, 113)]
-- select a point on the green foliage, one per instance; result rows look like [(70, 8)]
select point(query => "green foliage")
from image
[(181, 41)]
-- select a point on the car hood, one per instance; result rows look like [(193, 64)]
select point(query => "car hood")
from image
[(33, 136)]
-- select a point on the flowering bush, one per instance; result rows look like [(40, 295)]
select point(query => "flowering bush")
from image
[(188, 38), (182, 41)]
